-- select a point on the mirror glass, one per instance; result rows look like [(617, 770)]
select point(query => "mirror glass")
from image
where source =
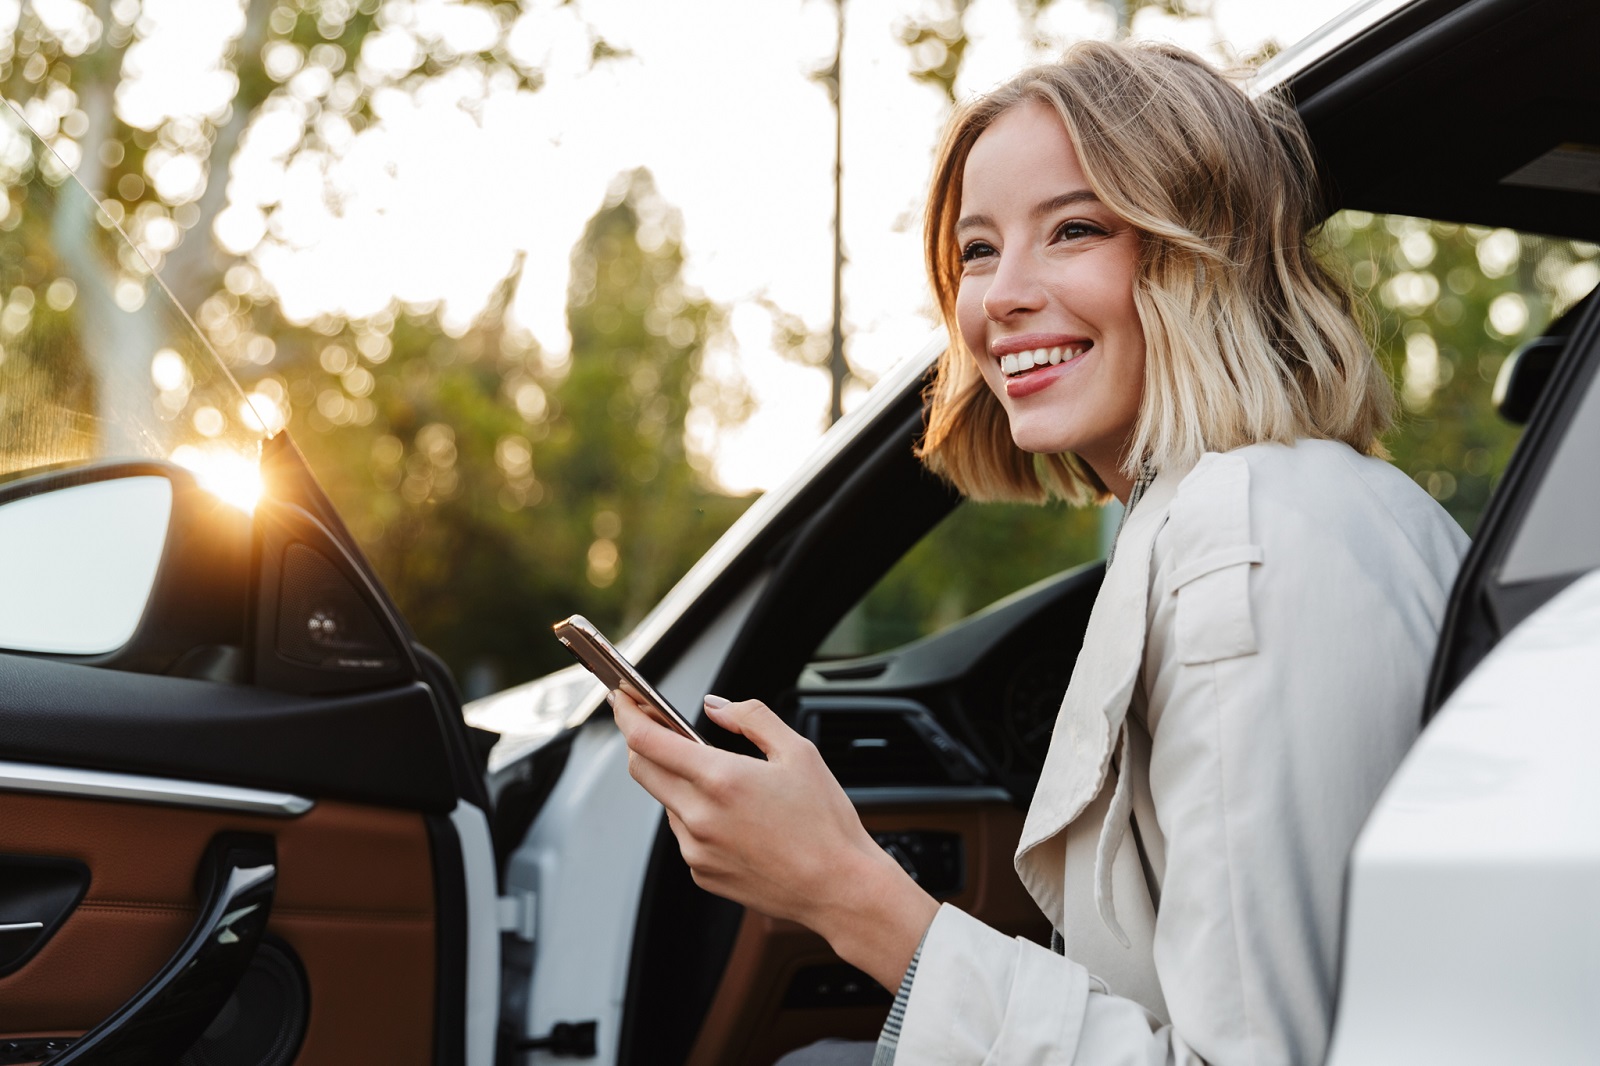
[(77, 564)]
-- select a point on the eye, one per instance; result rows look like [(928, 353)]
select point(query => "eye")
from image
[(1077, 229), (976, 250)]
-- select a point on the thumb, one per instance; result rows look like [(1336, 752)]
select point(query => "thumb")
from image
[(753, 720)]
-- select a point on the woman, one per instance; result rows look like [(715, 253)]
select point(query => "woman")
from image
[(1119, 244)]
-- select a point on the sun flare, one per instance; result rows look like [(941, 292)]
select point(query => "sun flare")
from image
[(230, 476)]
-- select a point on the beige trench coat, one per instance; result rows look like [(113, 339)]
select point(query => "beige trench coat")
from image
[(1255, 661)]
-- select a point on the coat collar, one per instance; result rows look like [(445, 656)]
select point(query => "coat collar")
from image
[(1098, 696)]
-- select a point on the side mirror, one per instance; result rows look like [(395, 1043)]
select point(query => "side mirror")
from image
[(131, 565), (1523, 376), (137, 566), (77, 564)]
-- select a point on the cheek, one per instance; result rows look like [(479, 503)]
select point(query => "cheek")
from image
[(1133, 329), (974, 326), (970, 318)]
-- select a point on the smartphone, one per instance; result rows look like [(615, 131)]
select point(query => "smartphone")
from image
[(590, 647)]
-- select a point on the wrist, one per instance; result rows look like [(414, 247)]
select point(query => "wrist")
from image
[(876, 916)]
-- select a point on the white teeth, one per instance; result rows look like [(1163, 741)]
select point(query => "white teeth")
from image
[(1019, 362)]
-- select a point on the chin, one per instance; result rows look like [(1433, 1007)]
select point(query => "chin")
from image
[(1040, 440)]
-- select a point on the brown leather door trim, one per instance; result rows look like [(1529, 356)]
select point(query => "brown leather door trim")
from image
[(355, 900)]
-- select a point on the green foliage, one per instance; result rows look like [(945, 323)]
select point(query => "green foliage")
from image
[(494, 486), (497, 488), (937, 35), (938, 43), (977, 555), (1451, 303)]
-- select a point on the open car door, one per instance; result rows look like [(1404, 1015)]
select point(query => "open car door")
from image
[(239, 819)]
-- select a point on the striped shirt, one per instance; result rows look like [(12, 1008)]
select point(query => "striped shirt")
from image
[(889, 1039)]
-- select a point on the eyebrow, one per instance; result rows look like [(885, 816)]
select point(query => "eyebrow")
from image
[(1046, 207)]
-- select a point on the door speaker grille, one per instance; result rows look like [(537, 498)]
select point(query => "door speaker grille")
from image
[(323, 620), (264, 1021)]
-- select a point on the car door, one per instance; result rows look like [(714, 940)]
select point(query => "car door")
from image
[(239, 818)]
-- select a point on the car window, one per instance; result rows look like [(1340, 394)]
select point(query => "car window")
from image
[(96, 359), (1556, 537), (97, 365), (1448, 303), (978, 554)]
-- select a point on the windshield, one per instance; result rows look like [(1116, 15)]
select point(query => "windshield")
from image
[(97, 362)]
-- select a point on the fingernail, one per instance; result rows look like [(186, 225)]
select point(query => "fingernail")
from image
[(716, 702), (611, 699)]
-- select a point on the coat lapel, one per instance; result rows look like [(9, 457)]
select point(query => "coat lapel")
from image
[(1097, 698)]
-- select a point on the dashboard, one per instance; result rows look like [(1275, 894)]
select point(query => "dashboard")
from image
[(968, 707)]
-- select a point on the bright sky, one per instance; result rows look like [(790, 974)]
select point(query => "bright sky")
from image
[(433, 202)]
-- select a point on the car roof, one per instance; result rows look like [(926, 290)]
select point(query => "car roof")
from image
[(1481, 111)]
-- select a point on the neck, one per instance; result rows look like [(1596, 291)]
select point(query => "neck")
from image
[(1109, 470), (1120, 484)]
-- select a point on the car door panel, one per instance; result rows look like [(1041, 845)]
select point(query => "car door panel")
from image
[(72, 715), (354, 900), (121, 763)]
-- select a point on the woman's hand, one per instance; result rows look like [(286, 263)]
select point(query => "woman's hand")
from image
[(779, 836)]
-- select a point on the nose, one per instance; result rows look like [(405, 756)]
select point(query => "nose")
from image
[(1014, 288)]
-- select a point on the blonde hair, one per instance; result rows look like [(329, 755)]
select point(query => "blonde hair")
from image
[(1248, 336)]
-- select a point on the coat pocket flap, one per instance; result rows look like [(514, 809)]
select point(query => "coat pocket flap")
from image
[(1213, 616), (1221, 559)]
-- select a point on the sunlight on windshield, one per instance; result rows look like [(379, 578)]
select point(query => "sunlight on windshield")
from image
[(97, 362)]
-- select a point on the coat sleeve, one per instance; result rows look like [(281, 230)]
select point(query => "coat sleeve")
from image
[(983, 998), (1282, 676)]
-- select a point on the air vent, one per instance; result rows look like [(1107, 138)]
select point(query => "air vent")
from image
[(874, 748), (885, 742)]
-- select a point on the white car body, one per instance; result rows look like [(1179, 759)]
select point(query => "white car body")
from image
[(1472, 936)]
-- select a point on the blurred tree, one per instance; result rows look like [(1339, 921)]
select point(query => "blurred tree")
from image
[(162, 170), (497, 487), (638, 339), (1451, 302), (977, 555), (937, 35)]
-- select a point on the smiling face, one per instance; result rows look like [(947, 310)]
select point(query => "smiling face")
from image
[(1045, 302)]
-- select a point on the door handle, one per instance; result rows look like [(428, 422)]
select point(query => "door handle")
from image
[(237, 878), (37, 893)]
